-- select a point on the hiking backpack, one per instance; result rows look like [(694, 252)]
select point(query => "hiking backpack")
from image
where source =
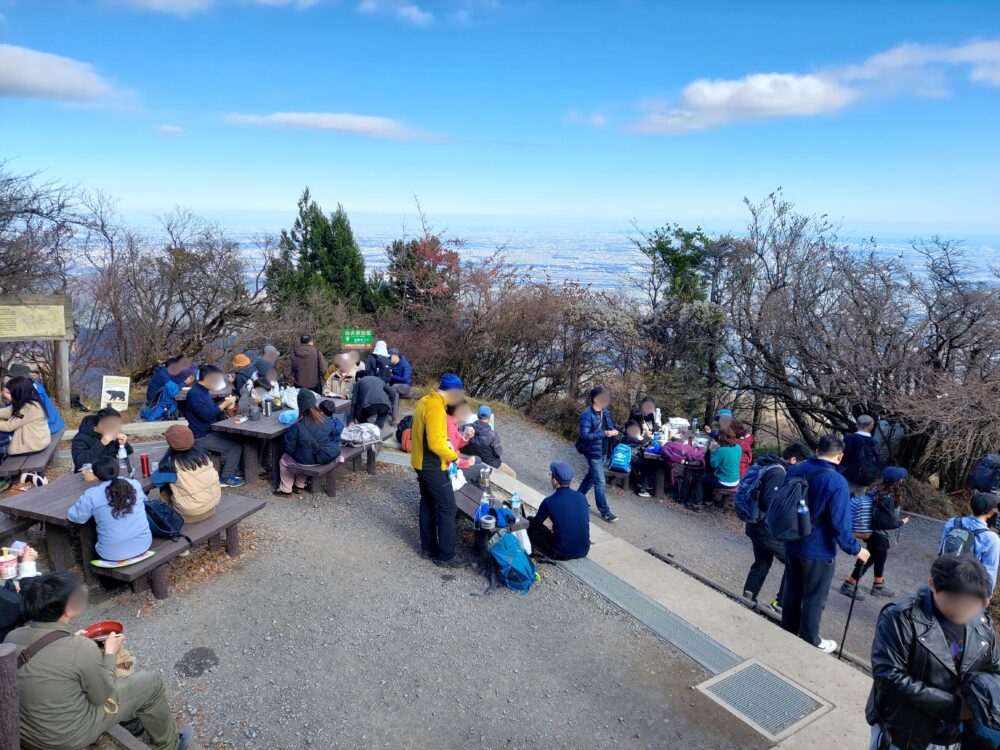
[(406, 423), (747, 500), (514, 567), (164, 521), (361, 433), (986, 475), (163, 405), (621, 458), (960, 541), (784, 521), (886, 515)]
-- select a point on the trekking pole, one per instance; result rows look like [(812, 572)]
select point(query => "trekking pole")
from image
[(850, 612)]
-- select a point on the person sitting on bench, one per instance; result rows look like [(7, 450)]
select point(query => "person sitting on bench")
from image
[(312, 440), (371, 399), (56, 423), (70, 691), (202, 412), (99, 435), (725, 462), (24, 425), (117, 507), (569, 513), (485, 442), (188, 472)]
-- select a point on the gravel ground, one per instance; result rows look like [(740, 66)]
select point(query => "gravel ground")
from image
[(333, 633), (714, 545)]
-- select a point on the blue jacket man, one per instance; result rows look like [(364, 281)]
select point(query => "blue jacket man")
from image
[(862, 464), (401, 369), (596, 431), (809, 562), (567, 509), (202, 412)]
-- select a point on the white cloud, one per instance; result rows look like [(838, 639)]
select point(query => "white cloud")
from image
[(190, 7), (41, 75), (909, 69), (373, 127), (404, 10), (594, 119), (170, 130)]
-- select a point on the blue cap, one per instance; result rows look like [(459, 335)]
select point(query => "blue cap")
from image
[(450, 381), (727, 412), (394, 351), (892, 474), (484, 412), (561, 472)]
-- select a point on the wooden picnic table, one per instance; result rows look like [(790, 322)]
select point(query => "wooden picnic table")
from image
[(270, 432), (219, 393), (49, 505), (659, 463)]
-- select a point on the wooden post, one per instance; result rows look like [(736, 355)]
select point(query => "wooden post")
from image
[(10, 722), (62, 372)]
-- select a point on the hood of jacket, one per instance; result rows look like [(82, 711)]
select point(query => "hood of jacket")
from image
[(88, 427), (381, 349)]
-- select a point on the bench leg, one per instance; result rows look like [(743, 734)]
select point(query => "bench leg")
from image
[(659, 479), (60, 547), (158, 582), (371, 460), (215, 543), (233, 540), (331, 484)]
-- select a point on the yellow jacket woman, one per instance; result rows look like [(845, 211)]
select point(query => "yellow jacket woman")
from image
[(25, 422)]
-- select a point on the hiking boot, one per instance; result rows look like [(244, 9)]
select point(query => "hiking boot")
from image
[(851, 591), (775, 607), (880, 589), (185, 737), (827, 647), (610, 517), (455, 562)]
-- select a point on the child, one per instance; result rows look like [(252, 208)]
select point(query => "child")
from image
[(117, 507), (640, 472)]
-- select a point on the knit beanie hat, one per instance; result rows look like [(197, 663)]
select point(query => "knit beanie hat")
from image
[(306, 399), (450, 381), (179, 437)]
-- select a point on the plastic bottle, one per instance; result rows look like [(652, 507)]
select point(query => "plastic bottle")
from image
[(124, 465), (515, 503), (805, 521)]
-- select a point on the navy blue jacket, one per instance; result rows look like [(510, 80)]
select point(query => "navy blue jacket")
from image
[(308, 442), (862, 462), (402, 371), (379, 365), (570, 522), (201, 411), (830, 509), (592, 443)]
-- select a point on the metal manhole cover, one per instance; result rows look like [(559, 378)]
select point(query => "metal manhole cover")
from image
[(764, 699)]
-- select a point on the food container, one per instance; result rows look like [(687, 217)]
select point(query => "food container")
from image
[(100, 631), (8, 567)]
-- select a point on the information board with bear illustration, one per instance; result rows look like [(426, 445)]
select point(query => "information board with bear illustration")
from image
[(114, 392)]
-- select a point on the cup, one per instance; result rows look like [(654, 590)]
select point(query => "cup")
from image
[(8, 566), (88, 473)]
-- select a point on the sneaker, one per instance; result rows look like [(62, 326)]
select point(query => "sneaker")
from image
[(644, 493), (232, 482), (610, 517), (880, 589), (455, 562), (827, 647), (775, 607), (185, 737), (851, 591)]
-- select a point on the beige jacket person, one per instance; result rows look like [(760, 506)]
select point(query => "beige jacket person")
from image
[(196, 493), (31, 429)]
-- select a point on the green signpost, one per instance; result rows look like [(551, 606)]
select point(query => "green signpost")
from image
[(356, 338)]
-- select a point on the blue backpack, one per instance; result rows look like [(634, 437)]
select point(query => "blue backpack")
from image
[(164, 521), (514, 567), (621, 458), (163, 406), (747, 500)]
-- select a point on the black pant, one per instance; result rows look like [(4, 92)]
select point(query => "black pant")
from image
[(375, 413), (878, 545), (437, 514), (231, 451), (542, 538), (807, 586), (765, 549)]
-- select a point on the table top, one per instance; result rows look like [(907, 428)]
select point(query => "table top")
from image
[(51, 502), (220, 393), (268, 428), (467, 500)]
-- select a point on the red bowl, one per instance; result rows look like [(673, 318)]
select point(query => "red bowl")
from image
[(101, 630)]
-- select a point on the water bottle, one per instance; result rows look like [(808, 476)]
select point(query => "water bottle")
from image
[(694, 424), (124, 465), (515, 503), (805, 522)]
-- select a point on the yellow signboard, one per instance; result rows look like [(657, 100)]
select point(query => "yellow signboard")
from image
[(114, 392), (29, 322)]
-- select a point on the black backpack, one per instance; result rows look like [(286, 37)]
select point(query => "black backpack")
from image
[(986, 475), (886, 515), (164, 521), (406, 423)]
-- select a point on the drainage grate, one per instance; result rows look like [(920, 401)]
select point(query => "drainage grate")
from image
[(709, 653), (762, 698)]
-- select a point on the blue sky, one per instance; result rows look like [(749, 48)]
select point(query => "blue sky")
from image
[(885, 115)]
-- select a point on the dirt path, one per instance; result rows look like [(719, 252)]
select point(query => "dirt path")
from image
[(715, 546)]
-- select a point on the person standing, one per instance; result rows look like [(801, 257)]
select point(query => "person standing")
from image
[(973, 536), (765, 547), (567, 511), (862, 463), (594, 443), (809, 562), (306, 367), (883, 506), (925, 646), (431, 455)]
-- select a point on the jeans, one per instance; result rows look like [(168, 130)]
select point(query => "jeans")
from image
[(595, 478), (878, 545), (807, 586), (437, 514), (876, 743), (765, 549), (230, 450)]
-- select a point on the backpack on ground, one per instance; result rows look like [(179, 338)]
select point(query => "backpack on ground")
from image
[(986, 475), (960, 541), (164, 521), (690, 488), (163, 405), (784, 521), (514, 567), (404, 433), (361, 433), (621, 458), (747, 500)]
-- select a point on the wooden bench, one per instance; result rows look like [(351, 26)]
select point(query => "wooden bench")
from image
[(16, 465), (11, 527), (723, 497), (228, 514), (351, 454), (617, 478)]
